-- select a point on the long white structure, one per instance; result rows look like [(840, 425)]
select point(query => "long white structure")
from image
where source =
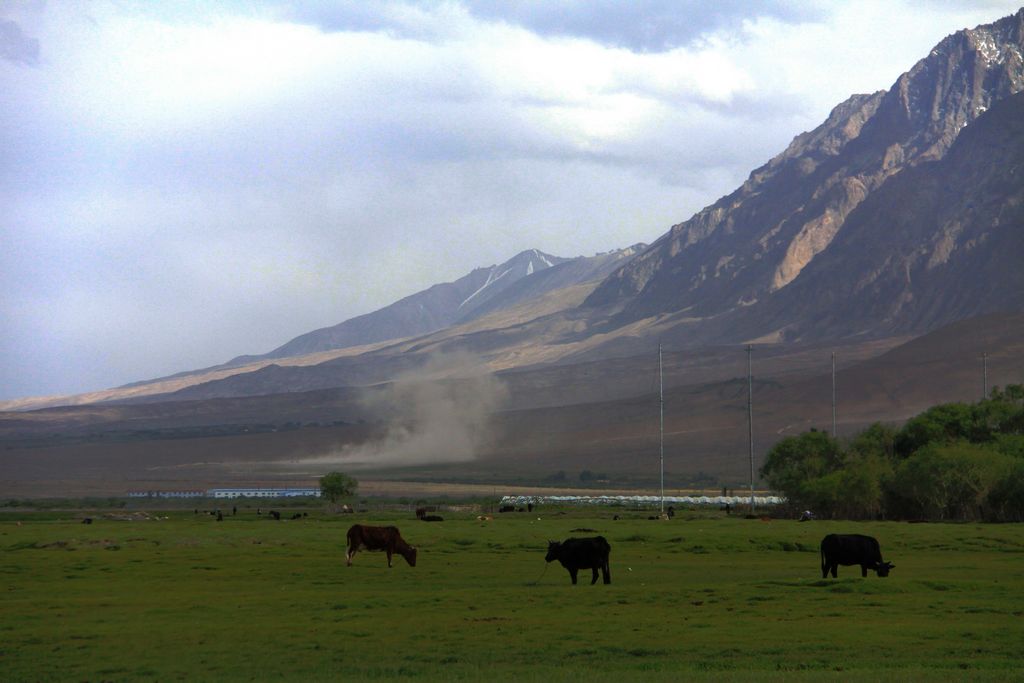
[(262, 493), (640, 500), (230, 493)]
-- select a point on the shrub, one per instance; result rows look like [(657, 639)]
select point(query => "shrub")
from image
[(948, 481)]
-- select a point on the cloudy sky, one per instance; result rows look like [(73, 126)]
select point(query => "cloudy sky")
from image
[(184, 182)]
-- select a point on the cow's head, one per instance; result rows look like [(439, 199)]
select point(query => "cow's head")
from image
[(410, 556), (553, 548), (883, 568)]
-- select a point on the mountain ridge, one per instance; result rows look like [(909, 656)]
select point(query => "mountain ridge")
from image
[(757, 240), (825, 240)]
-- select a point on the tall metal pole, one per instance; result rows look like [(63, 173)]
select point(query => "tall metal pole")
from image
[(984, 375), (750, 425), (835, 434), (661, 426)]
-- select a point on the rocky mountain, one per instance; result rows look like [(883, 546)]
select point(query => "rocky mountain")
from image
[(567, 273), (432, 309), (901, 213), (729, 268), (940, 242), (891, 235)]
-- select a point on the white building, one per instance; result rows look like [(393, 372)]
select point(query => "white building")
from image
[(263, 493), (166, 494)]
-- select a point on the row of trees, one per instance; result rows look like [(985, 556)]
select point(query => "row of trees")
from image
[(954, 461)]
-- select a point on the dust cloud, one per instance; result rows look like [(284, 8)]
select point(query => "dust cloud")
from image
[(439, 414)]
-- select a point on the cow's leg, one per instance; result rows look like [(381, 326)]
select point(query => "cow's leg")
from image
[(606, 571), (572, 573), (389, 558), (863, 571), (349, 555), (834, 567), (593, 580)]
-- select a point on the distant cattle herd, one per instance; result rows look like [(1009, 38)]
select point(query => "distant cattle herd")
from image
[(593, 552), (583, 553)]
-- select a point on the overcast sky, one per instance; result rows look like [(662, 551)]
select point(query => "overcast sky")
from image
[(181, 183)]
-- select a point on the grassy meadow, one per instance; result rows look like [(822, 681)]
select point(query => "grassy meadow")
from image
[(702, 596)]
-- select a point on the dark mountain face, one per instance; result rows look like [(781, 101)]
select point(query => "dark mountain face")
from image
[(750, 247)]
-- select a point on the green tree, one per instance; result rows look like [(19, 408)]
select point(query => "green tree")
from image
[(1002, 413), (944, 423), (794, 464), (1010, 444), (952, 461), (877, 440), (949, 481), (1005, 502), (336, 485)]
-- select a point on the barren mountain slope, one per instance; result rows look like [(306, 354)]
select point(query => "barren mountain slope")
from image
[(756, 242)]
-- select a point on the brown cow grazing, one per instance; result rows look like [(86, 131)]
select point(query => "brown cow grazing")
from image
[(386, 538)]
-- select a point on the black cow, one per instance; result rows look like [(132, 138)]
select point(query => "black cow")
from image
[(582, 553), (386, 538), (431, 518), (849, 549)]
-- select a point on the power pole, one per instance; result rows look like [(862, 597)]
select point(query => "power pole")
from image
[(835, 434), (750, 425), (984, 376), (661, 410)]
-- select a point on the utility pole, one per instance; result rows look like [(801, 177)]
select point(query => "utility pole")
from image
[(984, 376), (661, 425), (750, 425), (835, 434)]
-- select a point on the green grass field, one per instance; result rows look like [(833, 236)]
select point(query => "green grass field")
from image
[(700, 596)]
